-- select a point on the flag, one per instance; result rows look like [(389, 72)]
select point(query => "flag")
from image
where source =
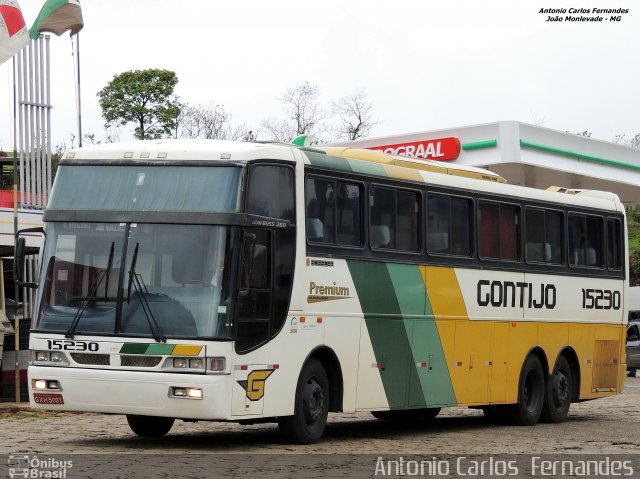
[(58, 16), (13, 31)]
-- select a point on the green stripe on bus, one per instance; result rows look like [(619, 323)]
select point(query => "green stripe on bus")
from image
[(387, 330), (433, 380), (134, 348), (427, 347), (160, 349), (388, 292), (409, 289), (367, 167), (326, 161)]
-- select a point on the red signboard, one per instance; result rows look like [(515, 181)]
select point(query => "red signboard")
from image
[(439, 149)]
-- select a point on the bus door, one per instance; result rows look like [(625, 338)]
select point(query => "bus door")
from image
[(266, 270)]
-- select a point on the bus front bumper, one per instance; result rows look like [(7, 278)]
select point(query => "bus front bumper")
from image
[(131, 392)]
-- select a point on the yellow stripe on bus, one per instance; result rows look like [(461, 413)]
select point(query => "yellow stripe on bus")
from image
[(186, 350), (403, 173)]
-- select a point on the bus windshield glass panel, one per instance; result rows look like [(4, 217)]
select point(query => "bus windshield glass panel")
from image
[(147, 188), (176, 282)]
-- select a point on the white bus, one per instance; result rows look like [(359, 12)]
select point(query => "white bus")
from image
[(222, 281)]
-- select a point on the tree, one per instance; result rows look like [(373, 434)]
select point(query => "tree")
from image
[(144, 97), (354, 112), (634, 142), (633, 221), (209, 122), (303, 114)]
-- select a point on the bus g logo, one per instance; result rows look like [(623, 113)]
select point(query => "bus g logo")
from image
[(254, 384)]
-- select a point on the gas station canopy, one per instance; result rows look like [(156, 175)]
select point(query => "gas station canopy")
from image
[(525, 155)]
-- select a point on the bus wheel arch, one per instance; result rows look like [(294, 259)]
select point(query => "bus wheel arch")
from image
[(331, 364), (574, 363), (311, 406)]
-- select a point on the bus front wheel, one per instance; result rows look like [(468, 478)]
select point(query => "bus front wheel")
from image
[(150, 426), (531, 392), (558, 393), (311, 406)]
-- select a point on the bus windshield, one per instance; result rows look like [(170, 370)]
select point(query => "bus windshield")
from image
[(147, 188), (133, 279)]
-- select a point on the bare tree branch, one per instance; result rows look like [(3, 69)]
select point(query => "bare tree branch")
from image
[(304, 115), (354, 112), (208, 122)]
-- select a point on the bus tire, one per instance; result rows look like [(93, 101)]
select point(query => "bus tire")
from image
[(311, 406), (558, 393), (531, 392), (407, 414), (150, 426)]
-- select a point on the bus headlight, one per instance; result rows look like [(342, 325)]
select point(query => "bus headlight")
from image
[(42, 356), (217, 365), (184, 365), (180, 363), (49, 358), (45, 385), (185, 392), (39, 384), (56, 357)]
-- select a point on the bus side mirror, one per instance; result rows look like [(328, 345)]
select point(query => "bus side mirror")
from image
[(248, 248), (18, 261), (20, 256)]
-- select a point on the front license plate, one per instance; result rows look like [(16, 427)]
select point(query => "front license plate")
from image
[(41, 398)]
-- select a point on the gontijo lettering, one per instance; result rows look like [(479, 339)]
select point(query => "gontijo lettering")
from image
[(507, 294)]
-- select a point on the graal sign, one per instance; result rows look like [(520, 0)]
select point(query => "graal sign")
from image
[(440, 149)]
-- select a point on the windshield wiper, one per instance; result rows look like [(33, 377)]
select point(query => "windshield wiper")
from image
[(137, 281), (93, 290), (109, 265)]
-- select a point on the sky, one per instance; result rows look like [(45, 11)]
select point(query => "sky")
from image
[(424, 65)]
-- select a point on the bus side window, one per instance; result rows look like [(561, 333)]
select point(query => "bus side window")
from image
[(334, 212), (348, 212), (498, 231), (585, 240), (448, 225), (544, 231), (320, 197), (614, 244), (271, 192), (382, 218)]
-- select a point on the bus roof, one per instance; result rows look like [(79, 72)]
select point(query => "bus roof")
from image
[(472, 179), (181, 150)]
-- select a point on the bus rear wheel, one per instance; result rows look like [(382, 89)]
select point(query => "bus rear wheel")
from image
[(150, 426), (311, 406), (558, 394), (407, 414), (531, 392)]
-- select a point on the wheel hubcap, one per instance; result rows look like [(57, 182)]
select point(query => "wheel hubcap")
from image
[(313, 401), (560, 388), (529, 393)]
